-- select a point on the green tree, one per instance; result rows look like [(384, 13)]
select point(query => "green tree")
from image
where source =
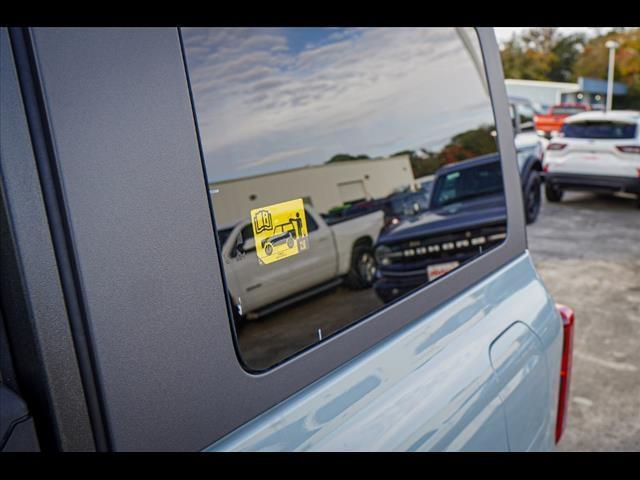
[(523, 63), (546, 54), (468, 144), (594, 62), (425, 165), (541, 54), (345, 157), (565, 52)]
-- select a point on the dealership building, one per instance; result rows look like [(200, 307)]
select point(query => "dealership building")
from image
[(543, 95), (323, 186)]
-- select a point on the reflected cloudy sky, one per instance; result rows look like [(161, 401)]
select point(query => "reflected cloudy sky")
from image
[(272, 99)]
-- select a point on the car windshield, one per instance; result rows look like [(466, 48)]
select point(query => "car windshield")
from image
[(410, 204), (567, 110), (468, 183), (599, 129)]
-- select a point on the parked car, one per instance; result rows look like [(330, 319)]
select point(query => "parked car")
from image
[(395, 206), (530, 151), (340, 252), (595, 151), (552, 121), (466, 217), (117, 284)]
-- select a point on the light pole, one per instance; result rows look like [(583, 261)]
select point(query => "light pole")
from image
[(611, 45)]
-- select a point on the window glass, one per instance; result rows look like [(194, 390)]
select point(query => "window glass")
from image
[(597, 129), (567, 110), (312, 226), (480, 181), (223, 234), (246, 234), (526, 114), (343, 132)]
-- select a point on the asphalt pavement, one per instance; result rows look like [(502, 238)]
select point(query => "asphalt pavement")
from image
[(587, 251)]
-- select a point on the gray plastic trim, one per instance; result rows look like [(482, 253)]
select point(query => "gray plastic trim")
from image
[(33, 303)]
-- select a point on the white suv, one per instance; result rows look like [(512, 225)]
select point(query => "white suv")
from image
[(597, 151)]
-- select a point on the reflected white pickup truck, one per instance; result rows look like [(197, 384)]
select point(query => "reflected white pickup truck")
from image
[(338, 253)]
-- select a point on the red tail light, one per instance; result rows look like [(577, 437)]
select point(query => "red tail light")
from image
[(565, 369), (556, 146), (546, 168), (629, 148)]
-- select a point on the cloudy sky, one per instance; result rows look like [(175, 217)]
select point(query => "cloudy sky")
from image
[(273, 99)]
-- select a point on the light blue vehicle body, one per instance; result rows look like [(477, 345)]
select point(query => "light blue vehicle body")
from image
[(480, 373)]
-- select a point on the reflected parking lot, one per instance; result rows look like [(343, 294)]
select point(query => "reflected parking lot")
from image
[(269, 340)]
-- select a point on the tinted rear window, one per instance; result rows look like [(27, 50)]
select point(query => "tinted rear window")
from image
[(599, 130), (567, 110)]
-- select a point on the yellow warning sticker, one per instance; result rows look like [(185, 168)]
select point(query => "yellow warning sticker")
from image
[(280, 230)]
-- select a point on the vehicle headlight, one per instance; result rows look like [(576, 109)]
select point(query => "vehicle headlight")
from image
[(382, 255)]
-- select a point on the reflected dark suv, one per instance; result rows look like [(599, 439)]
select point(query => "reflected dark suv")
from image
[(466, 216)]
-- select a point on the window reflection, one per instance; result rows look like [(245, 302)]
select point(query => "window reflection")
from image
[(387, 138)]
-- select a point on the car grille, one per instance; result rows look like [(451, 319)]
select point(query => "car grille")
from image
[(454, 246)]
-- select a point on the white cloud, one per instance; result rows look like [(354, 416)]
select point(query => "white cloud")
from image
[(278, 156), (259, 104)]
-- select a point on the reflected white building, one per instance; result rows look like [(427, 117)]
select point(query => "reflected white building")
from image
[(323, 186), (543, 95)]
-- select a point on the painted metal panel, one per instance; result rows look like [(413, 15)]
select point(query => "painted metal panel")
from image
[(518, 359), (431, 386)]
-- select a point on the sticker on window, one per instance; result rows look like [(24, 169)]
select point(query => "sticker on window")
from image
[(280, 230)]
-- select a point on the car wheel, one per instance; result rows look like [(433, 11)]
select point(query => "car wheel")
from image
[(532, 197), (290, 242), (363, 268), (268, 249), (553, 194)]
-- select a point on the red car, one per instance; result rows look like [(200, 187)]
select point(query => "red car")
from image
[(552, 121)]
